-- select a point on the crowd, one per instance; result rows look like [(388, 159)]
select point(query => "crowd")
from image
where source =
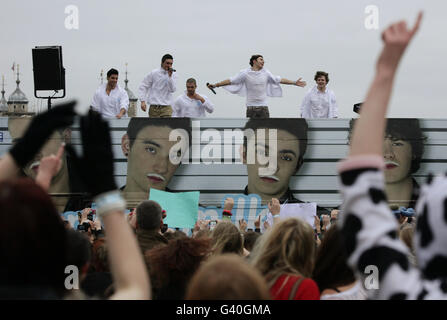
[(142, 258)]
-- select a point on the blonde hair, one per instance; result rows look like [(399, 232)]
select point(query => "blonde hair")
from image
[(226, 238), (227, 276), (289, 247)]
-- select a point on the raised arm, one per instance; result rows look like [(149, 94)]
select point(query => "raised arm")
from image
[(368, 226), (48, 168), (95, 169), (41, 128), (172, 82), (298, 82), (368, 131), (220, 84)]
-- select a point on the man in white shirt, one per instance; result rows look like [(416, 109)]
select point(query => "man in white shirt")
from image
[(320, 101), (157, 89), (191, 104), (110, 100), (256, 83)]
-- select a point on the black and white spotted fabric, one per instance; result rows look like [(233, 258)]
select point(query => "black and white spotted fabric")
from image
[(370, 231)]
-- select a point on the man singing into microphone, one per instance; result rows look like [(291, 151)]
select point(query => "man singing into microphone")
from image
[(157, 89), (256, 83)]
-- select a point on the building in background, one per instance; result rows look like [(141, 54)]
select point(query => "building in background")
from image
[(3, 102), (17, 101), (133, 100)]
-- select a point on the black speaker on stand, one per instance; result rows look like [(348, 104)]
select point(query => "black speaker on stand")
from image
[(49, 73)]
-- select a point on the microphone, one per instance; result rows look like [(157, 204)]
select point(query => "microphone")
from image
[(173, 70), (207, 84)]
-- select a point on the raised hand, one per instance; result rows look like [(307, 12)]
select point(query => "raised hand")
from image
[(49, 167), (334, 214), (258, 222), (95, 168), (300, 83), (274, 206), (326, 221), (242, 225), (41, 128), (396, 39), (317, 224)]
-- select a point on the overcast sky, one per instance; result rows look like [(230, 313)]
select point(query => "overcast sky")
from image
[(212, 40)]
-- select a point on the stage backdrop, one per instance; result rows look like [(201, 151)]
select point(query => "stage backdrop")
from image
[(315, 181)]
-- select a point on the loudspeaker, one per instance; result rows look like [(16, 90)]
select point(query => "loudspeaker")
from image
[(49, 73)]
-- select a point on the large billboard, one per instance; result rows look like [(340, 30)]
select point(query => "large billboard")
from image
[(291, 159)]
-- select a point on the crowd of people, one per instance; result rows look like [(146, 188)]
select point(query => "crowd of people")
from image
[(142, 258), (255, 83)]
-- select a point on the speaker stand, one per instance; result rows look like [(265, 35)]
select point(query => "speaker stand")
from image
[(50, 97)]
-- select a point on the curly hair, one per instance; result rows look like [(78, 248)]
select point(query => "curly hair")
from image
[(322, 74), (173, 265), (407, 130)]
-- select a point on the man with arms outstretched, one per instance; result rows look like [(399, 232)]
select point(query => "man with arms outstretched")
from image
[(256, 83)]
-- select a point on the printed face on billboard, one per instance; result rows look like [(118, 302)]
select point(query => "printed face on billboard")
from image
[(60, 183), (288, 145), (403, 149), (18, 126), (147, 147), (273, 185)]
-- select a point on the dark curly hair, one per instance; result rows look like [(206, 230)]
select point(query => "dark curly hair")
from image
[(407, 130), (322, 74), (173, 265)]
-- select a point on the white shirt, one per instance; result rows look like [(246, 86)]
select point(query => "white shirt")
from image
[(184, 106), (355, 293), (256, 86), (317, 104), (157, 87), (110, 105)]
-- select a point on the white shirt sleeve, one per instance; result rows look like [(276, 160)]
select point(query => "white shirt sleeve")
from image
[(176, 108), (145, 87), (95, 101), (171, 82), (124, 101), (239, 78), (334, 106), (208, 105), (305, 106), (273, 79)]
